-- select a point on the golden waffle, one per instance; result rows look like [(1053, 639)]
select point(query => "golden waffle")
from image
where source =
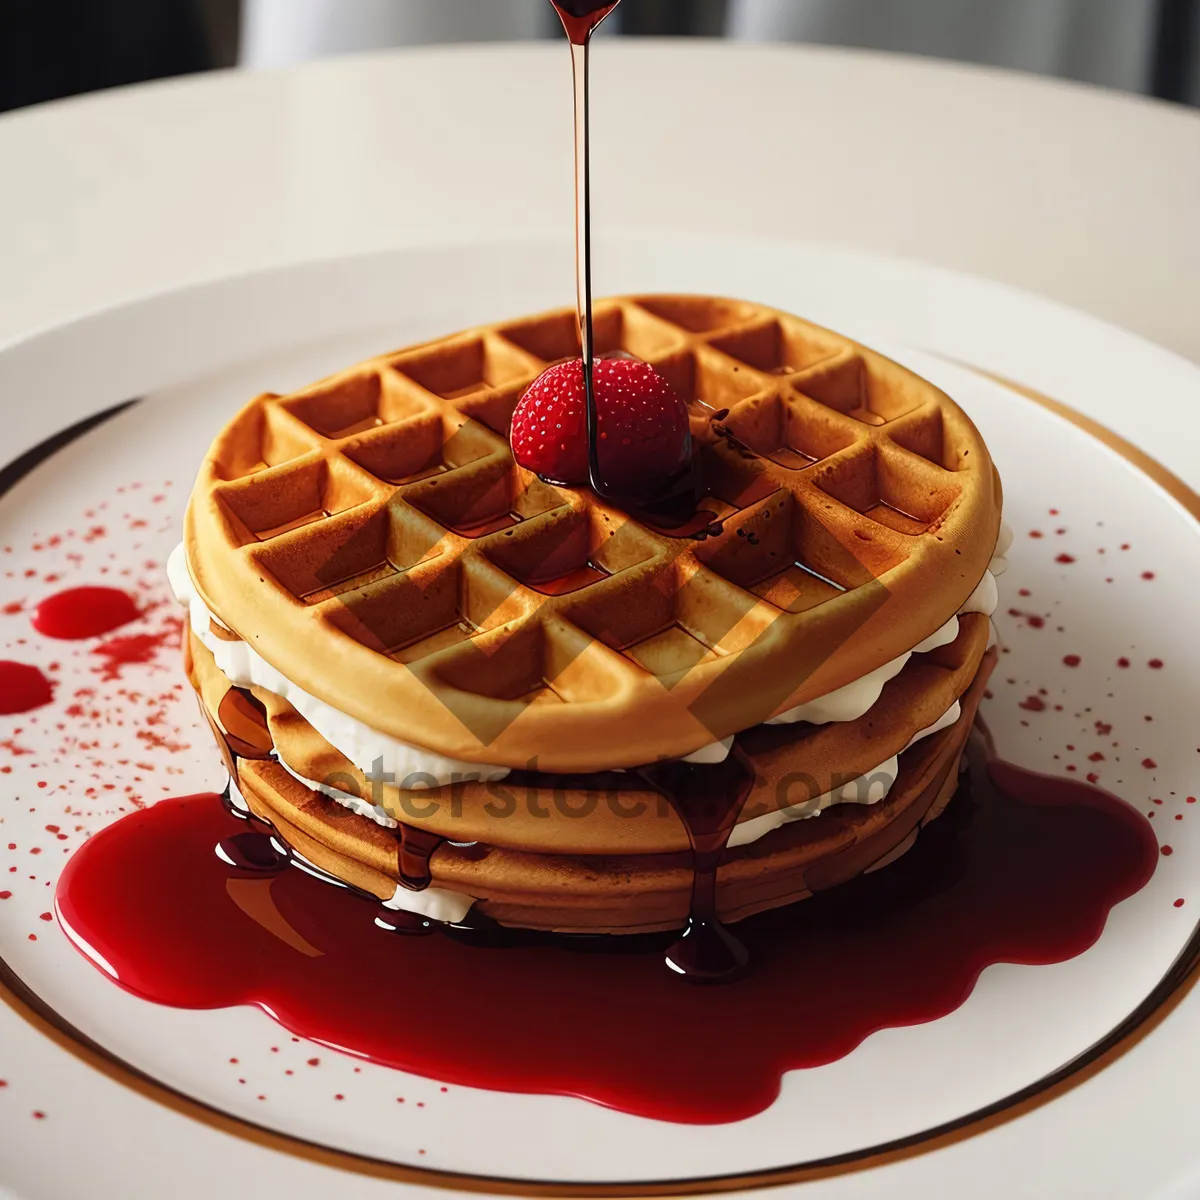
[(373, 538), (566, 857)]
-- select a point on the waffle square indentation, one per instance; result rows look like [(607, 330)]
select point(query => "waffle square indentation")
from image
[(280, 499), (522, 663), (406, 615), (669, 655), (330, 555), (705, 378), (890, 487), (796, 589), (924, 433), (458, 369), (263, 436), (864, 388), (570, 550), (698, 314), (615, 330), (428, 445), (484, 498), (779, 552), (790, 430), (342, 407), (779, 346)]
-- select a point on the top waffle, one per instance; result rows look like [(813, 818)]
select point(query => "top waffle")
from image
[(373, 539)]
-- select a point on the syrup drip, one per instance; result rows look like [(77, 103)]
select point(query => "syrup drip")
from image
[(253, 852), (708, 799), (416, 849), (706, 952), (672, 502), (239, 709), (258, 848), (580, 19), (1024, 869), (244, 718)]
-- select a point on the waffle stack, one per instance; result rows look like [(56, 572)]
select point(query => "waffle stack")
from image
[(439, 677)]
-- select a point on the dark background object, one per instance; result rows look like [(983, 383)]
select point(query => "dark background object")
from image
[(674, 18), (1174, 70), (221, 20), (55, 48)]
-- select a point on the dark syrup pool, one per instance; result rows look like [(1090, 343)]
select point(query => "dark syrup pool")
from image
[(1021, 868)]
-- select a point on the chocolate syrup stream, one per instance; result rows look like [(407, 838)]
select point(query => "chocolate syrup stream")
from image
[(581, 18), (671, 505), (707, 799), (706, 951)]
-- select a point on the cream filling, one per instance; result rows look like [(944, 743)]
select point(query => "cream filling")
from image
[(356, 804), (433, 903), (375, 754), (867, 789), (855, 699), (414, 768), (442, 904)]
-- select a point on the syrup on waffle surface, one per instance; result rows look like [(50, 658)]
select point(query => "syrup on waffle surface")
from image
[(374, 541)]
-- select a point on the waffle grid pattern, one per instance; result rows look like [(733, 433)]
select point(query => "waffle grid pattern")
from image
[(385, 503)]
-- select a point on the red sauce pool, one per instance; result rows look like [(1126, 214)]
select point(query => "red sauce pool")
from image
[(1025, 870), (23, 688), (84, 612)]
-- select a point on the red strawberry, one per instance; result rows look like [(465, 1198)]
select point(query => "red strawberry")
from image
[(641, 422)]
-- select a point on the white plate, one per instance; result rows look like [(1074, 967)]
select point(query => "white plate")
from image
[(198, 355)]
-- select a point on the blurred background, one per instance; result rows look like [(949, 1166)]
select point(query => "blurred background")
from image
[(55, 48)]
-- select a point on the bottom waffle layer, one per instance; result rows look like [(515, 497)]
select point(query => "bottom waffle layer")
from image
[(604, 893)]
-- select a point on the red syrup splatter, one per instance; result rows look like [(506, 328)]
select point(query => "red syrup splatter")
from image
[(1021, 868), (135, 648), (23, 688), (1033, 620), (84, 612)]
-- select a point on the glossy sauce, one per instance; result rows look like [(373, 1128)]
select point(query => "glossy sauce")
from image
[(1026, 874), (84, 612), (23, 688)]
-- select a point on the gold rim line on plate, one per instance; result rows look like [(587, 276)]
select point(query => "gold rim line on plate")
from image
[(1158, 1004)]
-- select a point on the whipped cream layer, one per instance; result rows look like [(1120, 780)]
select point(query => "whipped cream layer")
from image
[(416, 768), (443, 904), (368, 749), (855, 699), (372, 751), (867, 789)]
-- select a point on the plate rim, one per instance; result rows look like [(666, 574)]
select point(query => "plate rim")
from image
[(1175, 984)]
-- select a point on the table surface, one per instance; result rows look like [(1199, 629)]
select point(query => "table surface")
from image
[(1081, 195)]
